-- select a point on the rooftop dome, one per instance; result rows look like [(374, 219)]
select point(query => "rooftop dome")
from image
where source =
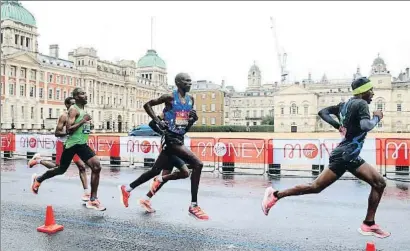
[(13, 10), (378, 61), (254, 68), (151, 59)]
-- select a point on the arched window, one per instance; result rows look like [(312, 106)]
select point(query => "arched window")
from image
[(380, 105), (294, 109)]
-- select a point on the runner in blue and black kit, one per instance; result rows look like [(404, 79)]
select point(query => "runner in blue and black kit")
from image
[(178, 117), (354, 123)]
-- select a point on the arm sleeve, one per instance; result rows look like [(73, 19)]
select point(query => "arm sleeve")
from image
[(154, 126), (326, 112), (366, 124)]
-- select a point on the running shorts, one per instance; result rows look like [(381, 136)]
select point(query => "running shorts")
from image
[(340, 161), (59, 151)]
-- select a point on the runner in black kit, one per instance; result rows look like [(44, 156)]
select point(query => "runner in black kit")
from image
[(355, 122), (174, 161)]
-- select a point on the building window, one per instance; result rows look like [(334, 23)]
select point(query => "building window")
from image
[(272, 112), (306, 110), (380, 105), (213, 95), (262, 113), (41, 75), (399, 107), (33, 75), (204, 108), (64, 79), (41, 113), (32, 113), (203, 121), (212, 107), (22, 90), (226, 114), (11, 89), (50, 93), (50, 112), (70, 80), (40, 94), (58, 79), (294, 109), (65, 95), (254, 113), (58, 112), (247, 114), (22, 112), (32, 91), (203, 96), (282, 110), (380, 125), (213, 121), (58, 94), (50, 78), (12, 71)]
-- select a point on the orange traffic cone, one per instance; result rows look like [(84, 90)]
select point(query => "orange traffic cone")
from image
[(50, 226), (370, 246)]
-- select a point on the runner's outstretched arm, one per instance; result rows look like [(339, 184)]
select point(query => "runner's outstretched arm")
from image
[(331, 110), (59, 132), (166, 98)]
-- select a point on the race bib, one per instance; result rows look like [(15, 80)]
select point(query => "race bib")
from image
[(87, 128), (181, 118)]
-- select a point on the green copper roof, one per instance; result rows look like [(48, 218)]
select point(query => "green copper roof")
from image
[(13, 10), (151, 59)]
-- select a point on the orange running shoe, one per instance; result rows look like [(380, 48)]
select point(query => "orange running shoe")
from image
[(33, 161), (95, 204), (124, 195), (269, 200), (374, 230), (35, 185), (198, 213), (154, 185), (146, 204)]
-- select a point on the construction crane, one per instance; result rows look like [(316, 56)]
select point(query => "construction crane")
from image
[(281, 56)]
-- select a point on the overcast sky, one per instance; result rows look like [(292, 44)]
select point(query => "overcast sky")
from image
[(221, 40)]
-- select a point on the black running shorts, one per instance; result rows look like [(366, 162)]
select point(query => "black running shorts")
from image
[(170, 138), (83, 151), (339, 161)]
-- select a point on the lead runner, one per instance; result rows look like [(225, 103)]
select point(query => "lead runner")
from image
[(354, 123)]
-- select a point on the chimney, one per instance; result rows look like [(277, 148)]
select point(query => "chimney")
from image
[(407, 72), (54, 50)]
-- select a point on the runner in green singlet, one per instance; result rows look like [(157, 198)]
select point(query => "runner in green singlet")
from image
[(78, 127)]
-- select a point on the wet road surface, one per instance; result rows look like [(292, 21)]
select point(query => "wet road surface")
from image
[(327, 221)]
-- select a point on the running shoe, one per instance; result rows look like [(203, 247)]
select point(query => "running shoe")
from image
[(198, 213), (124, 195), (374, 230), (95, 204), (86, 197), (154, 185), (146, 204), (269, 200), (33, 161), (35, 185)]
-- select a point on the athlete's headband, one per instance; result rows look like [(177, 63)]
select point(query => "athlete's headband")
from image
[(362, 89)]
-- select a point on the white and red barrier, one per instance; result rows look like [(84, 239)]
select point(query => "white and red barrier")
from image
[(252, 155)]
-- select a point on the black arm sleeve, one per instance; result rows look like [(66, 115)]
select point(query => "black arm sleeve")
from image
[(155, 127), (366, 124), (326, 112)]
